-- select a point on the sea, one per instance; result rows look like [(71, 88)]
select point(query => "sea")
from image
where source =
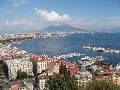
[(74, 43)]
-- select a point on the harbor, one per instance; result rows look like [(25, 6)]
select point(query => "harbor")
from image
[(70, 55), (102, 49)]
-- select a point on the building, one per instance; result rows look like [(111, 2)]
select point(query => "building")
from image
[(14, 87), (40, 63), (104, 75), (83, 78), (53, 67), (24, 64), (116, 79), (42, 80), (21, 85)]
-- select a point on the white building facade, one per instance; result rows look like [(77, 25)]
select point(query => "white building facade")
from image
[(24, 64), (42, 84), (41, 65)]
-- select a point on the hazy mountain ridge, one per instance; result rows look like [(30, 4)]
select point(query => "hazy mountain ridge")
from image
[(63, 29)]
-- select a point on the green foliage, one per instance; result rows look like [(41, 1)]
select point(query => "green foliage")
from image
[(22, 75), (102, 85), (61, 83), (1, 68), (4, 85)]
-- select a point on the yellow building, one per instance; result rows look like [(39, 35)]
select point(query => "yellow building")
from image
[(116, 79)]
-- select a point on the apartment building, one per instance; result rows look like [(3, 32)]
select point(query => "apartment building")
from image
[(24, 64)]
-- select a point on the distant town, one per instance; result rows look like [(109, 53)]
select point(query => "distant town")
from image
[(21, 70), (19, 37)]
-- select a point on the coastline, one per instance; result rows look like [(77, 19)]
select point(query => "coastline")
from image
[(72, 44)]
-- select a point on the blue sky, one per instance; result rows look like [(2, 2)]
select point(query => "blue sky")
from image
[(37, 14)]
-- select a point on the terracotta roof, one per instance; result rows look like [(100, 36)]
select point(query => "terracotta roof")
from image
[(107, 73), (14, 87), (20, 83)]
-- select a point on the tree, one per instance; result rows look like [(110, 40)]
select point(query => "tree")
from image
[(61, 83), (1, 68), (22, 75), (63, 70), (102, 85)]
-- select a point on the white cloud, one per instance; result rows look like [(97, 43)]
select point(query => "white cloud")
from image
[(51, 16)]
